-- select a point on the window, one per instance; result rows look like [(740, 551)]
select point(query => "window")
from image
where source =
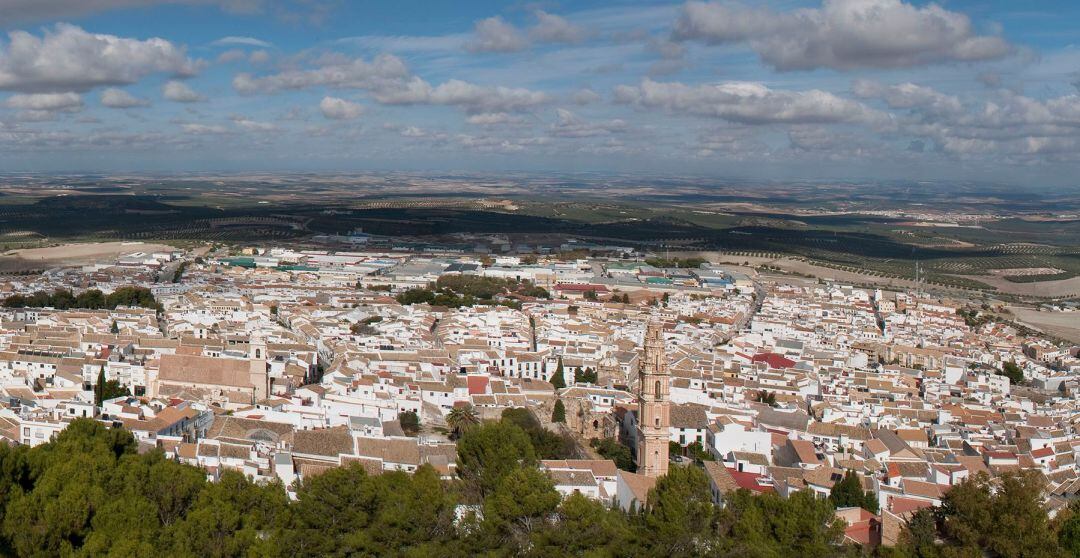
[(657, 390)]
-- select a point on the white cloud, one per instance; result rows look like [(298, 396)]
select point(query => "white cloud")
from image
[(389, 81), (231, 55), (842, 34), (204, 129), (252, 125), (118, 98), (46, 102), (495, 35), (585, 96), (478, 99), (340, 109), (243, 41), (551, 28), (67, 58), (908, 96), (384, 70), (180, 92), (748, 103), (570, 125), (490, 119)]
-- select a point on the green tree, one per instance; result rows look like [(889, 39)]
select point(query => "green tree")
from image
[(490, 452), (696, 451), (584, 527), (1013, 372), (547, 444), (1003, 517), (610, 448), (848, 492), (410, 422), (559, 413), (1069, 532), (99, 387), (557, 378), (462, 418), (679, 511), (521, 504)]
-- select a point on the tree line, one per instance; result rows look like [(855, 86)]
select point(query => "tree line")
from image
[(456, 291), (90, 299), (90, 492)]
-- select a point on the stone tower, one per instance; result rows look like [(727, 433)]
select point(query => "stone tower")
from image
[(654, 405)]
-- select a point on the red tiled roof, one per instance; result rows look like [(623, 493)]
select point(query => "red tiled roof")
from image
[(774, 360), (749, 481), (477, 384)]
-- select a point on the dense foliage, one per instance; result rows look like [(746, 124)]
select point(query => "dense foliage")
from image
[(91, 299), (687, 263), (456, 291), (1013, 372), (89, 492), (610, 448), (849, 493)]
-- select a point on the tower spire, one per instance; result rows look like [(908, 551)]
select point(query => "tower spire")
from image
[(654, 404)]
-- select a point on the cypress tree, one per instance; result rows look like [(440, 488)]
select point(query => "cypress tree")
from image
[(99, 388), (557, 379), (559, 414)]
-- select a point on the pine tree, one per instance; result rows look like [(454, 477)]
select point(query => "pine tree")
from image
[(115, 329), (559, 414)]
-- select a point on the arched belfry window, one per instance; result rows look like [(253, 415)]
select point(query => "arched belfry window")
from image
[(657, 390)]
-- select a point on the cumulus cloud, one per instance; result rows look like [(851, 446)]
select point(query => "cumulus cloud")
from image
[(120, 99), (478, 99), (383, 71), (67, 58), (46, 102), (490, 119), (180, 92), (570, 125), (748, 103), (494, 34), (842, 34), (340, 109), (389, 81), (908, 96), (551, 28)]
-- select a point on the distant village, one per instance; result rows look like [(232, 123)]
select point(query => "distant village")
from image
[(281, 362)]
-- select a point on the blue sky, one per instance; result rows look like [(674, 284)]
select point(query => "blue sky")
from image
[(840, 89)]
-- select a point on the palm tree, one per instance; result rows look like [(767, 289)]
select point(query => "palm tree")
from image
[(461, 418)]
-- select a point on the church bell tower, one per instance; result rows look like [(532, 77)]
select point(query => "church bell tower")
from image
[(654, 405)]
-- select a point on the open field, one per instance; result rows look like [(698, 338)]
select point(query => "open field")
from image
[(73, 254), (1060, 288), (963, 236), (1062, 324)]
